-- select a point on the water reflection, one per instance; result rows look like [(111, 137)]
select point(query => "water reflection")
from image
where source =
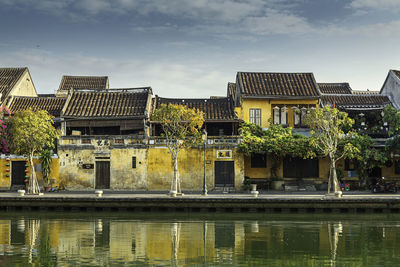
[(118, 240)]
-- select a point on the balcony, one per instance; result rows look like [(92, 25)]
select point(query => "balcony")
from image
[(213, 141), (87, 141)]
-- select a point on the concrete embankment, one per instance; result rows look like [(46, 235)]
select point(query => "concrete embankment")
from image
[(196, 203)]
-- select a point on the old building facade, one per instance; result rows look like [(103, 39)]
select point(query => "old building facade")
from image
[(108, 140)]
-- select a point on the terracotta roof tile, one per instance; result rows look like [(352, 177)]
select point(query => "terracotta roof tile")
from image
[(216, 109), (277, 84), (231, 90), (8, 78), (365, 92), (335, 88), (83, 82), (53, 105), (356, 101), (112, 103)]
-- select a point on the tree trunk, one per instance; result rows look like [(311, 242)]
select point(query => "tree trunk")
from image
[(333, 184), (33, 182), (174, 184)]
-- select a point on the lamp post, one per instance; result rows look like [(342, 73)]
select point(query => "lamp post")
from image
[(205, 161)]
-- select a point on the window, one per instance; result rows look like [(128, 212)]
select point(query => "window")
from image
[(349, 165), (133, 162), (298, 116), (284, 115), (259, 160), (280, 115), (255, 116)]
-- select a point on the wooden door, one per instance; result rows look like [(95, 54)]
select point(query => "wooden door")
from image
[(102, 175), (224, 173), (18, 173), (300, 168)]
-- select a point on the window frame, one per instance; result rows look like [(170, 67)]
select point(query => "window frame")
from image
[(258, 160), (255, 116), (280, 111)]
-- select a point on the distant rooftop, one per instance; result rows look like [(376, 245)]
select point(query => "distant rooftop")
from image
[(53, 105), (8, 79), (215, 109), (83, 82), (110, 103), (265, 84), (335, 88)]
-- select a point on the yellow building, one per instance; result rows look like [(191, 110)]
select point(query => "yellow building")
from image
[(103, 143), (278, 98), (115, 148), (219, 156)]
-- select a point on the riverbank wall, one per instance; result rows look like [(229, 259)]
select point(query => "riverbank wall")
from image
[(198, 203)]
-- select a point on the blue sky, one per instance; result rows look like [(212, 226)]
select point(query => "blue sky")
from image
[(193, 48)]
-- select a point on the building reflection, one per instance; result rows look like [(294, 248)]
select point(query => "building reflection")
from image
[(106, 241)]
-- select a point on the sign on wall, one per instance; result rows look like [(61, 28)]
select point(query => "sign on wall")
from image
[(224, 154)]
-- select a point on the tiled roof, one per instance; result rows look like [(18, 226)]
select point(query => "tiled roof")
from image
[(83, 82), (277, 84), (231, 90), (8, 78), (334, 88), (355, 101), (217, 109), (397, 73), (365, 92), (112, 103), (53, 105)]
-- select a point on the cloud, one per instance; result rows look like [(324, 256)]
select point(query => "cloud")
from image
[(169, 79), (376, 4), (257, 17)]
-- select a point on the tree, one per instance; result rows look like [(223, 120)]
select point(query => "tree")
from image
[(4, 136), (181, 128), (32, 132), (368, 157), (276, 141), (329, 137)]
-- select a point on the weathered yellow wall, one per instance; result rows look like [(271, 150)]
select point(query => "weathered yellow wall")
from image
[(266, 108), (24, 87), (190, 166), (324, 165), (263, 173), (6, 171), (263, 104), (122, 175)]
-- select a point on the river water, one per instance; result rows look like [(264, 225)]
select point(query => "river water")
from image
[(185, 239)]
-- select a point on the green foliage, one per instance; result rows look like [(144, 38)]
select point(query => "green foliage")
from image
[(368, 157), (32, 132), (246, 184), (181, 128), (181, 125), (4, 130), (276, 141), (45, 160), (392, 117), (331, 133)]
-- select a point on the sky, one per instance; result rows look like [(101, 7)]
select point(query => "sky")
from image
[(193, 48)]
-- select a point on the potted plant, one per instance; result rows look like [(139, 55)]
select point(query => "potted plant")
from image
[(45, 160)]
